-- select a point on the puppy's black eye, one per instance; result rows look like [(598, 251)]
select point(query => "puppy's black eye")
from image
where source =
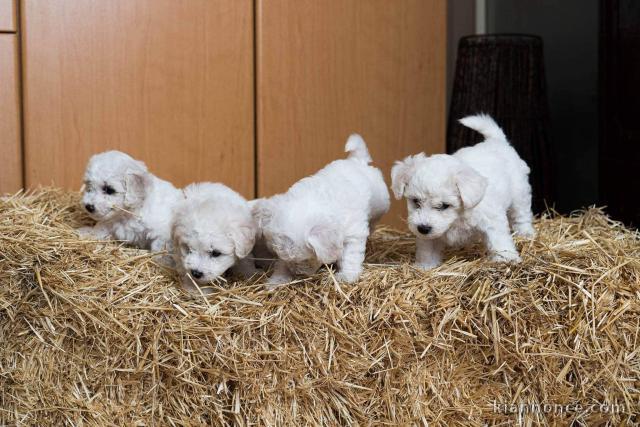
[(107, 189), (214, 254), (443, 206), (416, 202)]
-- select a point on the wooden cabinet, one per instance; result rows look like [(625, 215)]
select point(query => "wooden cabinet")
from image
[(8, 16), (253, 93), (10, 141), (11, 174), (330, 68), (169, 82)]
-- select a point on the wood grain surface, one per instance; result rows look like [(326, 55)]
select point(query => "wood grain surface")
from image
[(333, 67), (7, 15), (10, 144), (169, 82)]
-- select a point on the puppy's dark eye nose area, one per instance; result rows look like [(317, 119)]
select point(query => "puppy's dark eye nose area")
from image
[(90, 208), (424, 229), (196, 274)]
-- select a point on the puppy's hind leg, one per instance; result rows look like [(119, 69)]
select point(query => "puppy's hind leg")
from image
[(520, 214), (499, 242), (350, 262)]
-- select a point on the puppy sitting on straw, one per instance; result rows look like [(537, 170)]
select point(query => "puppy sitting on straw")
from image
[(478, 192), (213, 231), (127, 202)]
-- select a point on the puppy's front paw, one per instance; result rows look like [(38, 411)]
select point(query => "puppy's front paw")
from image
[(192, 288), (426, 265), (507, 256), (87, 233), (347, 276), (276, 281), (273, 286)]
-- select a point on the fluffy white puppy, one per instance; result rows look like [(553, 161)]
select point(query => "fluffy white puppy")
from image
[(127, 202), (478, 192), (213, 231), (325, 218)]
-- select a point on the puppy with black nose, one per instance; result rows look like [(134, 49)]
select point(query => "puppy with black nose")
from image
[(127, 202), (213, 231), (479, 192)]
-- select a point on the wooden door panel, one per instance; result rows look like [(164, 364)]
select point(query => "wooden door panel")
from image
[(7, 15), (10, 144), (330, 68), (170, 82)]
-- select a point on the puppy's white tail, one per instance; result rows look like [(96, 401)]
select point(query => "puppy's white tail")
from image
[(357, 148), (484, 124)]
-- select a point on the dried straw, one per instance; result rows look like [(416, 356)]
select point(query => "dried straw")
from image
[(97, 334)]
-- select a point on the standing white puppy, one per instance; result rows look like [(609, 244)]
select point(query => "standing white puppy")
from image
[(213, 231), (477, 192), (325, 218), (127, 202)]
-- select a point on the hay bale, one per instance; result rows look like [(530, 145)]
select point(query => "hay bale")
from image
[(97, 334)]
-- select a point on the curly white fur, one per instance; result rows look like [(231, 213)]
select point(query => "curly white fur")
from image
[(478, 192), (325, 218), (127, 202), (213, 231)]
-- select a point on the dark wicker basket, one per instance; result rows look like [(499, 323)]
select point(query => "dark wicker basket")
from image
[(503, 75)]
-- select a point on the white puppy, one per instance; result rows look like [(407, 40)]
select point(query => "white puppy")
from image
[(477, 192), (127, 202), (213, 231), (325, 218)]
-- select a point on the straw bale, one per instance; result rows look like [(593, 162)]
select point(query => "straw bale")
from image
[(96, 333)]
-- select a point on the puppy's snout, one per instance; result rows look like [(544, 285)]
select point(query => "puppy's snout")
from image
[(90, 208), (196, 274), (424, 229)]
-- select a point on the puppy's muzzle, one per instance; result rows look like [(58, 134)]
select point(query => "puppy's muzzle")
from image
[(90, 208), (424, 229)]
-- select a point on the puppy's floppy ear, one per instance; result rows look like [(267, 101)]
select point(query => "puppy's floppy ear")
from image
[(243, 236), (136, 183), (401, 173), (283, 244), (471, 186), (326, 240)]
